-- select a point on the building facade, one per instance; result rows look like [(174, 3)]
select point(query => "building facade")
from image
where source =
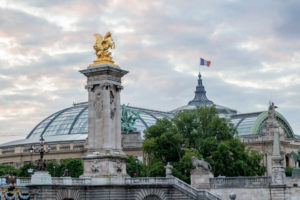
[(65, 132)]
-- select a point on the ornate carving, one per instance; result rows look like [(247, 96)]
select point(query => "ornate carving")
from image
[(128, 119), (98, 102), (118, 167), (11, 181), (95, 167), (296, 157), (168, 168), (113, 106), (200, 164), (66, 173), (271, 111), (101, 47)]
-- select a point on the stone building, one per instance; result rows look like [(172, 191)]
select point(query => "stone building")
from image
[(65, 132), (92, 131)]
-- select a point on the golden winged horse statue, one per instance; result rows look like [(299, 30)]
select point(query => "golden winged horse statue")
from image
[(102, 46)]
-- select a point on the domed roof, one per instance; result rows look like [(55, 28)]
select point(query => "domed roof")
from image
[(74, 120), (252, 123), (201, 99)]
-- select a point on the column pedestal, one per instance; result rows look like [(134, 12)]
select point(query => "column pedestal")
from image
[(104, 157)]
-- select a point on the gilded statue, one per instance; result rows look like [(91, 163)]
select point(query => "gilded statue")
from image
[(102, 46)]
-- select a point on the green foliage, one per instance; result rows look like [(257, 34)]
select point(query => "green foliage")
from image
[(4, 169), (54, 171), (133, 167), (182, 169), (74, 165), (288, 171), (200, 133), (23, 171)]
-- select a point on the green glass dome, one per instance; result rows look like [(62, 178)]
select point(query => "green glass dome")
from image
[(74, 120)]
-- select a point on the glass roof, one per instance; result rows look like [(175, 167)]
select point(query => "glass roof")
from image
[(252, 123), (74, 120)]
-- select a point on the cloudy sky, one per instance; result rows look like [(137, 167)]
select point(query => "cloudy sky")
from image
[(253, 46)]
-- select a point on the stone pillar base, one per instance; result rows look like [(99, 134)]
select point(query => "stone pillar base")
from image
[(104, 166), (278, 173), (41, 178), (200, 179)]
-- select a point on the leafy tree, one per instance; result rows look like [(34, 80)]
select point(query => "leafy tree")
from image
[(74, 165), (54, 168), (288, 171), (23, 171), (4, 169), (201, 133), (135, 168)]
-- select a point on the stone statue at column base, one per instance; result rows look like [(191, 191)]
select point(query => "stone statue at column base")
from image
[(169, 168), (201, 174), (278, 174), (105, 166)]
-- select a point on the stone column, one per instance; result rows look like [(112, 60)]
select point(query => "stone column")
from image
[(104, 157), (269, 164), (277, 187), (278, 173)]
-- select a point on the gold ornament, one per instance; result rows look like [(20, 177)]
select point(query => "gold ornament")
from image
[(101, 47)]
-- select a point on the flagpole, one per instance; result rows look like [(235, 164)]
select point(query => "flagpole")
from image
[(199, 66)]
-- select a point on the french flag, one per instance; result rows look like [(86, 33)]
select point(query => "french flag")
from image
[(204, 62)]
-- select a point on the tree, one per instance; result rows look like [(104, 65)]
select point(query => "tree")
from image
[(23, 171), (54, 168), (74, 165), (135, 167), (4, 169), (201, 133)]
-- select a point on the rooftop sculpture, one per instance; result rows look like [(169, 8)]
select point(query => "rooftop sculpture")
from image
[(128, 119), (102, 46), (296, 158)]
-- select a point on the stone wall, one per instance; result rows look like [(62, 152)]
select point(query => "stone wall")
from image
[(290, 193), (243, 193)]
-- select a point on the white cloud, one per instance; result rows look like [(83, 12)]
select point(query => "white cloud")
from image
[(43, 44)]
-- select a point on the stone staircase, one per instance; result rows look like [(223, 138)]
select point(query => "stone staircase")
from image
[(183, 187), (279, 193)]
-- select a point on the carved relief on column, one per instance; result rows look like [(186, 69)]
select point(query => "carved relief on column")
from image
[(98, 101), (113, 106)]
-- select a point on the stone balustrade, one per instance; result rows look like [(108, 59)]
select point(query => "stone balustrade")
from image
[(184, 187), (19, 181), (240, 182)]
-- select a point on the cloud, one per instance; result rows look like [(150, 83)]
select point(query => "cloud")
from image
[(253, 46)]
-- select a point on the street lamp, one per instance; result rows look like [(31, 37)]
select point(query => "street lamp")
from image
[(30, 170), (54, 167), (136, 166), (41, 149)]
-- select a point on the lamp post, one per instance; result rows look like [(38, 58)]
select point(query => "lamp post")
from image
[(41, 149), (54, 167), (136, 166), (30, 170)]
